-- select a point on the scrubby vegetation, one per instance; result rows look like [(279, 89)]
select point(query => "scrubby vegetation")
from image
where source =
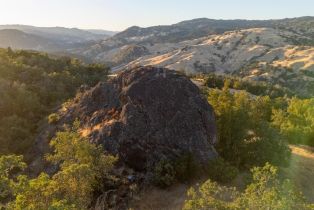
[(31, 85), (164, 173), (254, 132), (53, 118), (246, 135), (83, 169), (182, 169), (296, 122), (221, 171), (263, 79), (266, 191), (260, 88)]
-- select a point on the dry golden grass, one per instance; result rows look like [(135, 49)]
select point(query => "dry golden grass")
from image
[(301, 170), (298, 58)]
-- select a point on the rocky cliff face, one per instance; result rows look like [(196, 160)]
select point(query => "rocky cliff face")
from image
[(145, 114)]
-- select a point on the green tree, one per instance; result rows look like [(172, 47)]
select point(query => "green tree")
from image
[(297, 122), (245, 133), (83, 166), (7, 165), (266, 191), (31, 85)]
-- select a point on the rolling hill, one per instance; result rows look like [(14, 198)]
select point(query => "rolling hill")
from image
[(49, 39), (19, 40), (279, 52), (192, 29)]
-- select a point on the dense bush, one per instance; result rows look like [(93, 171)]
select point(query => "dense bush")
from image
[(259, 88), (53, 118), (266, 191), (186, 167), (164, 173), (297, 121), (83, 166), (182, 169), (221, 171), (31, 85), (7, 165), (15, 134), (246, 136)]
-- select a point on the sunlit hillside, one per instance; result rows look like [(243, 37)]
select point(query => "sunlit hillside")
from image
[(156, 105)]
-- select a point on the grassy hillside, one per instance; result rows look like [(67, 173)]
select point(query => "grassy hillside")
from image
[(255, 122)]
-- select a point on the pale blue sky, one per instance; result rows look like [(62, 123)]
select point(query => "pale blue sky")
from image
[(120, 14)]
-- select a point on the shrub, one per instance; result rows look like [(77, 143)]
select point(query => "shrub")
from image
[(53, 118), (265, 192), (186, 167), (297, 122), (164, 173), (7, 165), (15, 135), (32, 84), (83, 167), (221, 171), (245, 132), (182, 169)]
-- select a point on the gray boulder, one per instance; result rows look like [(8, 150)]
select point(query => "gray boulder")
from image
[(146, 114)]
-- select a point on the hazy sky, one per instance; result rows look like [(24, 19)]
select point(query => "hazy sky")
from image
[(120, 14)]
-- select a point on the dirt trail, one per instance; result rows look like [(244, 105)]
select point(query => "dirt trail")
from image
[(301, 170)]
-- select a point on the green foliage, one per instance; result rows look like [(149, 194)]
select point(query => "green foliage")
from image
[(297, 122), (31, 84), (83, 166), (7, 165), (260, 88), (53, 118), (211, 195), (164, 173), (15, 134), (186, 167), (246, 136), (265, 192), (221, 171), (182, 169), (38, 193)]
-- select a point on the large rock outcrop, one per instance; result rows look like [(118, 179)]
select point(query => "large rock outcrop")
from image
[(145, 114)]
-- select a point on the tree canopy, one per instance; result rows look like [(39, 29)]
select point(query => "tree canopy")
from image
[(32, 84)]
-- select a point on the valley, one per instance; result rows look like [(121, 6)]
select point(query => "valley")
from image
[(200, 114)]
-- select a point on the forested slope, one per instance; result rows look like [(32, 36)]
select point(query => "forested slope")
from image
[(31, 85)]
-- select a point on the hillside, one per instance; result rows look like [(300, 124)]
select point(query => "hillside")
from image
[(49, 39), (189, 30), (221, 53), (19, 40), (69, 35), (261, 54), (162, 129), (31, 85), (102, 32), (202, 114)]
